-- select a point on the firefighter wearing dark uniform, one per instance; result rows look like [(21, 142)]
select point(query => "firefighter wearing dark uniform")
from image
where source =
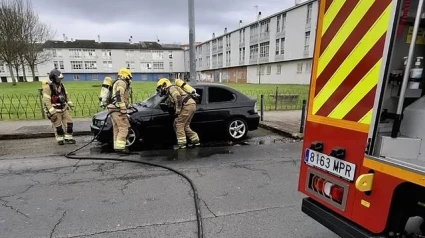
[(56, 105), (184, 107), (118, 108)]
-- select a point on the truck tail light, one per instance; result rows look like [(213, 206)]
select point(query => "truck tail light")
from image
[(328, 189)]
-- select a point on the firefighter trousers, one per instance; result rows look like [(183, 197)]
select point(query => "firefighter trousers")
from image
[(120, 124), (63, 126), (182, 123)]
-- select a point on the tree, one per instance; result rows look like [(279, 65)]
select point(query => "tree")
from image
[(34, 53), (14, 15)]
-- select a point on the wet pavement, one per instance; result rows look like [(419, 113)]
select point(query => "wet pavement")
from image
[(247, 189)]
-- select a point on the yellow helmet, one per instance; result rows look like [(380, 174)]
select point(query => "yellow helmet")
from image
[(125, 73), (164, 82)]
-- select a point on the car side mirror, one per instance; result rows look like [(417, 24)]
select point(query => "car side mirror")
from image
[(163, 106)]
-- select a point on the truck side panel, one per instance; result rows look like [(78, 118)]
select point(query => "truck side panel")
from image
[(347, 66)]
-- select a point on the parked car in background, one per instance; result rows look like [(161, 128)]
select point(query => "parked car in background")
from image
[(220, 109)]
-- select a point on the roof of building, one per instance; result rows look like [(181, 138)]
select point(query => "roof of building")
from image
[(262, 19), (91, 44)]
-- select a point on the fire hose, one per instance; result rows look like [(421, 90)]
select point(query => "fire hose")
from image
[(71, 155)]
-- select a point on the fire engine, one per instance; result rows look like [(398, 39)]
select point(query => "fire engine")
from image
[(363, 158)]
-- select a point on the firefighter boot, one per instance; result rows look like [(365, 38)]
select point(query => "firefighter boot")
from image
[(59, 135)]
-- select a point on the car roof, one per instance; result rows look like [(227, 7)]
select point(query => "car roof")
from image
[(219, 85)]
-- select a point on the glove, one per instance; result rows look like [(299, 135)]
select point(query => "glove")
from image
[(71, 105)]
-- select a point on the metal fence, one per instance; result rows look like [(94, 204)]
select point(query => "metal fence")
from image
[(29, 106)]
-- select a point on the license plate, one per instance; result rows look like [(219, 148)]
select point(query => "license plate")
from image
[(338, 167)]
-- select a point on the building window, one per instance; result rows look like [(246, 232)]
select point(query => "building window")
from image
[(157, 55), (307, 41), (89, 53), (228, 44), (130, 64), (208, 61), (265, 28), (220, 60), (262, 68), (309, 11), (158, 65), (283, 23), (90, 65), (253, 52), (280, 46), (279, 69), (107, 65), (75, 53), (76, 64), (308, 67), (254, 32), (106, 54), (299, 68), (242, 54), (55, 64), (146, 66), (76, 77), (264, 49), (214, 61), (269, 69), (61, 65), (170, 54), (220, 44), (228, 54), (2, 68), (170, 66), (57, 53)]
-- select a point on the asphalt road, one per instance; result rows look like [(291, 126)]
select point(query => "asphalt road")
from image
[(246, 190)]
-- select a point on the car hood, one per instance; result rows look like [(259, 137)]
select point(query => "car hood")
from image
[(142, 111)]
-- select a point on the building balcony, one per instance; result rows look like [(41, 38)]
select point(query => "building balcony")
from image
[(228, 48), (279, 58), (220, 49), (280, 34), (253, 39), (242, 62), (253, 61), (265, 36), (228, 64), (264, 59), (242, 44)]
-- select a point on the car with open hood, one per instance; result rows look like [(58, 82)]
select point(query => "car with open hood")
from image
[(220, 110)]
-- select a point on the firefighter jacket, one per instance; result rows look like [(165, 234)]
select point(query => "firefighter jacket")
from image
[(120, 95), (177, 98), (55, 97)]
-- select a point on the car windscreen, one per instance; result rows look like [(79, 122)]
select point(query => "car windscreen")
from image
[(152, 101)]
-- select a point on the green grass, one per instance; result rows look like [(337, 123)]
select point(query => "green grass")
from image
[(22, 101)]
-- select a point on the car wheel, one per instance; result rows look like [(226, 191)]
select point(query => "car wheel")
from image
[(132, 137), (237, 129)]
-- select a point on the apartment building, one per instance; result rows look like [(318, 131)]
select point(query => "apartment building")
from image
[(275, 49), (86, 60)]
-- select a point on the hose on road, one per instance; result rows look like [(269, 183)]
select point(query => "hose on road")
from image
[(71, 155)]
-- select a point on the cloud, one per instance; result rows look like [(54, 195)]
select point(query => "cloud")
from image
[(146, 19)]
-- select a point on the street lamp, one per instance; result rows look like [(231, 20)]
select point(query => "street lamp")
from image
[(258, 44), (192, 55)]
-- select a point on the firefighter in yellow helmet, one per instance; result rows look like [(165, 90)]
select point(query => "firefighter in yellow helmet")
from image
[(185, 108), (56, 104), (118, 108)]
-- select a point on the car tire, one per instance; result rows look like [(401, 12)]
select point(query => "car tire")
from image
[(237, 129), (133, 138)]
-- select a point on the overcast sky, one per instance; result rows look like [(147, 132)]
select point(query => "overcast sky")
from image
[(117, 20)]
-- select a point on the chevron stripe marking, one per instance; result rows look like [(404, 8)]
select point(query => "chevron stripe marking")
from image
[(359, 71), (358, 92), (330, 16), (361, 29), (352, 21), (362, 48)]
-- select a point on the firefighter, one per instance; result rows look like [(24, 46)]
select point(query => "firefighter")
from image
[(184, 107), (118, 108), (56, 105)]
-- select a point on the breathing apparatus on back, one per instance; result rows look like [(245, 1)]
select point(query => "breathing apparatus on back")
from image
[(105, 97), (186, 87)]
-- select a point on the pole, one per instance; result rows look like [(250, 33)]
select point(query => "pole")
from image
[(258, 46), (262, 107), (40, 91), (276, 96), (303, 116), (398, 117), (192, 42)]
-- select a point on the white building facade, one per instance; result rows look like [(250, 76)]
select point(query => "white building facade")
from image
[(274, 50), (86, 60)]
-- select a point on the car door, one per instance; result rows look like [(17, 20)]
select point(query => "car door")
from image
[(161, 122), (200, 116), (220, 102)]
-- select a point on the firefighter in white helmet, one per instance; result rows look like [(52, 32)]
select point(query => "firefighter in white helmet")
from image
[(184, 107), (118, 108), (56, 104)]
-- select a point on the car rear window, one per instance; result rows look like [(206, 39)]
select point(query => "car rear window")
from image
[(220, 95)]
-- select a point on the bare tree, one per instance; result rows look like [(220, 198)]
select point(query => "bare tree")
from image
[(15, 20), (34, 53)]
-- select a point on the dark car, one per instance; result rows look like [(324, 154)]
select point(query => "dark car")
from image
[(220, 110)]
